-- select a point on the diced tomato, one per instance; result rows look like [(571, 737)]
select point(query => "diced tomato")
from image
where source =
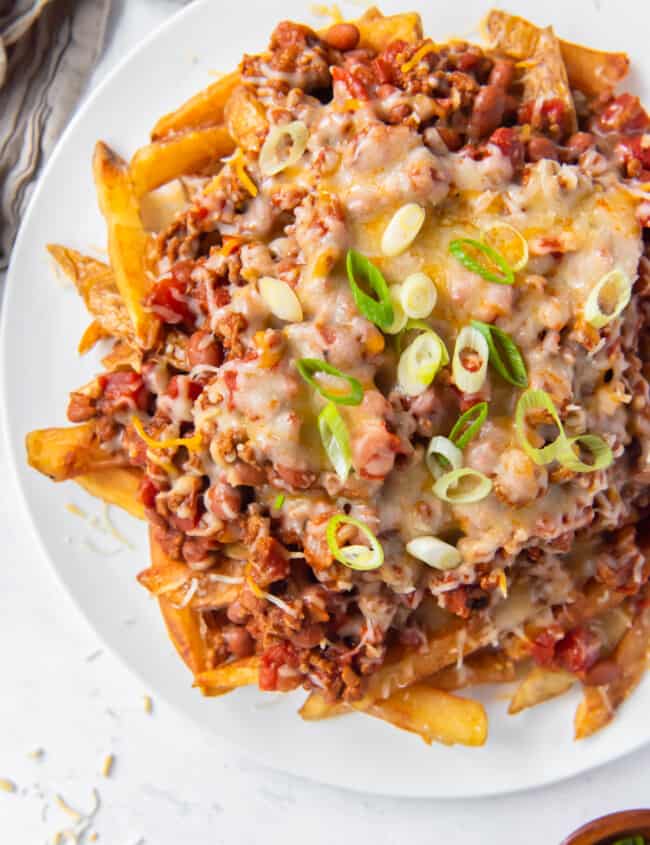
[(190, 388), (635, 147), (273, 659), (168, 301), (542, 648), (355, 87), (554, 110), (148, 493), (507, 140), (123, 388), (578, 650), (624, 114), (230, 378)]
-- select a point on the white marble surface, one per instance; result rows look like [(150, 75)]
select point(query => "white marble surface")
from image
[(171, 784)]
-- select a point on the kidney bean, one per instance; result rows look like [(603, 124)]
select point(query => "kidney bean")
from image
[(342, 36), (224, 501), (501, 74), (580, 142), (487, 112), (238, 640), (540, 147), (204, 349)]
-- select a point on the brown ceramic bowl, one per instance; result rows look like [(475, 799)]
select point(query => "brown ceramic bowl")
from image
[(608, 829)]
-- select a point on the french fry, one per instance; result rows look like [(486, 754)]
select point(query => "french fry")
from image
[(540, 685), (595, 72), (546, 79), (201, 110), (599, 704), (486, 667), (184, 629), (123, 354), (127, 240), (434, 715), (63, 453), (378, 31), (316, 708), (239, 673), (95, 284), (92, 335), (116, 486), (163, 161), (245, 119)]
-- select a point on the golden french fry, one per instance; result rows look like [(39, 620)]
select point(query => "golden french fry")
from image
[(123, 354), (116, 486), (201, 110), (63, 453), (127, 239), (378, 31), (92, 335), (434, 715), (546, 79), (540, 685), (487, 667), (599, 704), (316, 707), (184, 629), (163, 161), (246, 119), (594, 72), (95, 283), (239, 673)]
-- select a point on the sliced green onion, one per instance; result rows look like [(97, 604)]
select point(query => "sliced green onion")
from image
[(336, 440), (402, 229), (378, 311), (442, 456), (420, 362), (465, 249), (470, 381), (361, 558), (630, 840), (274, 155), (506, 240), (278, 501), (308, 366), (505, 357), (538, 400), (418, 295), (399, 316), (434, 552), (622, 285), (450, 487), (468, 425), (601, 453)]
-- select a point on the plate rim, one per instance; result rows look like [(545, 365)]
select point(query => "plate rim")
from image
[(579, 764)]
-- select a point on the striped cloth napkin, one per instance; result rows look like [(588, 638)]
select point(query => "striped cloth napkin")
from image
[(47, 50)]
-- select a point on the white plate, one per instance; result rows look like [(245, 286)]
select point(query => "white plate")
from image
[(42, 323)]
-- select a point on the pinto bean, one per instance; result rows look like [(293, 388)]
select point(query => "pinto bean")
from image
[(81, 408), (224, 501), (540, 147), (204, 349), (374, 452), (580, 142), (502, 73), (237, 613), (239, 641), (198, 552), (309, 636), (342, 36), (487, 112)]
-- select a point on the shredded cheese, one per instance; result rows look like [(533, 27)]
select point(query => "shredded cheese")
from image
[(190, 593), (107, 766), (262, 594), (75, 510), (237, 161), (321, 10), (230, 243), (417, 57), (503, 584), (148, 704), (192, 443), (7, 785)]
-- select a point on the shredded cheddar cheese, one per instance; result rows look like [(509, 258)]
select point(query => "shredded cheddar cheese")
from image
[(230, 244), (192, 443), (7, 785), (321, 10), (107, 766), (503, 584), (148, 704), (417, 57), (237, 160)]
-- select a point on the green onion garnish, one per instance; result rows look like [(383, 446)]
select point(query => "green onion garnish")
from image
[(308, 366), (453, 487), (468, 425), (630, 840), (504, 355), (378, 311), (600, 452), (442, 456), (278, 501), (619, 287), (336, 440), (420, 362), (562, 449), (361, 558), (540, 401), (464, 250)]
